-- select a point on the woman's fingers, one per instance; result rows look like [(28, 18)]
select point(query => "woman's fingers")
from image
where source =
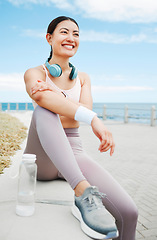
[(105, 149), (112, 149), (105, 136), (35, 88), (39, 86), (107, 143)]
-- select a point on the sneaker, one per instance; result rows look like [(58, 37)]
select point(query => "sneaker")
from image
[(95, 220)]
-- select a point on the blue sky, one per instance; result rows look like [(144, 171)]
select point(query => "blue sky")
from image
[(118, 46)]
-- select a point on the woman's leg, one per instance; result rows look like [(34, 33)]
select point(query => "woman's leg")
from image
[(48, 141), (117, 201), (46, 168)]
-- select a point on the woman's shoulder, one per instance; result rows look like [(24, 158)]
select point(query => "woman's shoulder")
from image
[(37, 72), (38, 69), (84, 78)]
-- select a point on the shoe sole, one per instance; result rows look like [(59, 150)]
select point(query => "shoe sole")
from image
[(89, 231)]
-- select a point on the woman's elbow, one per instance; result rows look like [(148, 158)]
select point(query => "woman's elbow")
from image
[(37, 97)]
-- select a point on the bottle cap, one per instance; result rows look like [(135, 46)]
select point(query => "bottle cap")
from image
[(30, 158)]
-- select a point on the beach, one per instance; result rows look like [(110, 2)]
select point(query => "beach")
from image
[(133, 165)]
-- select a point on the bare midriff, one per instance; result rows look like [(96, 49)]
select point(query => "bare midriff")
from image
[(69, 123)]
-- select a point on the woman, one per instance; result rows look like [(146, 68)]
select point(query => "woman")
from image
[(62, 98)]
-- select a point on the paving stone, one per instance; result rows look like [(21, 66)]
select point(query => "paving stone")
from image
[(149, 233)]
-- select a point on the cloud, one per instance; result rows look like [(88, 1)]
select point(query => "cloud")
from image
[(149, 36), (61, 4), (139, 11), (12, 89), (116, 89), (105, 78), (35, 33), (12, 81), (114, 11)]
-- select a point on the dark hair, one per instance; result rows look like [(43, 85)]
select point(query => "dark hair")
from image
[(53, 24)]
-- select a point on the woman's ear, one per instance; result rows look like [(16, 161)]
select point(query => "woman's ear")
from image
[(49, 38)]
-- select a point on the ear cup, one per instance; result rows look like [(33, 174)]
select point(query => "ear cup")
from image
[(73, 73), (54, 69)]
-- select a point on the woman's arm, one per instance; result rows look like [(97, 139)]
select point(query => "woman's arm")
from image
[(105, 136), (48, 99), (86, 96), (57, 103)]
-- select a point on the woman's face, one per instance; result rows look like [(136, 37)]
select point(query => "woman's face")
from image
[(65, 39)]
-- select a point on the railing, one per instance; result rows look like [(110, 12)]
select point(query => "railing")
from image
[(16, 106), (126, 115), (102, 112)]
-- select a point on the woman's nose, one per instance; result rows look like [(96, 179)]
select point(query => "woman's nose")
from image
[(70, 38)]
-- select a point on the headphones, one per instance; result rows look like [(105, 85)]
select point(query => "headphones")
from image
[(56, 71)]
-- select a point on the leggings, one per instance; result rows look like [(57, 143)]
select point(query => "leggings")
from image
[(60, 155)]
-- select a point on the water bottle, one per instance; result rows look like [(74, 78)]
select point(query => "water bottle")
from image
[(26, 186)]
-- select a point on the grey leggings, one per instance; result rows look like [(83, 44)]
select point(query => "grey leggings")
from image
[(60, 155)]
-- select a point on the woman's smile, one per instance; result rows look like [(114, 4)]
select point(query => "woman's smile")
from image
[(68, 46)]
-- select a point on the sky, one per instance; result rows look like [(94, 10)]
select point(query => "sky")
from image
[(118, 46)]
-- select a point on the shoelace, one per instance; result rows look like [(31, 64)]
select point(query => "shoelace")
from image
[(94, 200)]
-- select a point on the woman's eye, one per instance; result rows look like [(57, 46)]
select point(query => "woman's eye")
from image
[(76, 34), (64, 32)]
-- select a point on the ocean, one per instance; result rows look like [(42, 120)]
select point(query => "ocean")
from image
[(138, 112)]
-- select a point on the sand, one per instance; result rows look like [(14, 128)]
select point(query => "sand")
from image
[(12, 134)]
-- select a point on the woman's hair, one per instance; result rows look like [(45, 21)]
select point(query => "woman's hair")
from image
[(53, 24)]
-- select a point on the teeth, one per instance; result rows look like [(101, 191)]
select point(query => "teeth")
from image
[(68, 46)]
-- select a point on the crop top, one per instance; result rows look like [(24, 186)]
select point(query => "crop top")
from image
[(73, 93)]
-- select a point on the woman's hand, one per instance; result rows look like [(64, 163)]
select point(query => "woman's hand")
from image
[(42, 86), (104, 135)]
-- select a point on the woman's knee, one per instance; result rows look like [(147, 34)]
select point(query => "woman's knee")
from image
[(42, 111), (130, 213), (134, 213), (44, 115)]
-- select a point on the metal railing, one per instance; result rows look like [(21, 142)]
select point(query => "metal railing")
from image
[(16, 106), (102, 112), (126, 115)]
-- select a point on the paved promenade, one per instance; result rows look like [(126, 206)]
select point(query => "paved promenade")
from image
[(134, 165)]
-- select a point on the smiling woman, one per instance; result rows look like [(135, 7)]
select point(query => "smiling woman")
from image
[(61, 100)]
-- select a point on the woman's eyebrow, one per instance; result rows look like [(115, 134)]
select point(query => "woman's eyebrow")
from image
[(68, 29), (64, 28)]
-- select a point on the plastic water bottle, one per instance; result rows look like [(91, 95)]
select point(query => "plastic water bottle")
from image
[(26, 186)]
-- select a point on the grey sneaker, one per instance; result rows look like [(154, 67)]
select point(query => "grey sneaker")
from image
[(95, 220)]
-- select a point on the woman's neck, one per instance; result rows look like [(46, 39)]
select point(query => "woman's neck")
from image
[(62, 62)]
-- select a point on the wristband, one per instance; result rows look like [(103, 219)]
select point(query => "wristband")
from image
[(83, 114)]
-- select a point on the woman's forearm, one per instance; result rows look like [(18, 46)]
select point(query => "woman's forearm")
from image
[(56, 103)]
